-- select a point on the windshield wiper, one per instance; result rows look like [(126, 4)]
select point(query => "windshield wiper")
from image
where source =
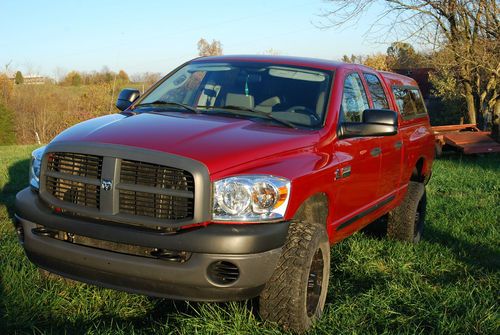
[(170, 103), (255, 112)]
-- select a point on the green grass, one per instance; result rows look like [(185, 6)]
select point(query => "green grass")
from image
[(447, 284)]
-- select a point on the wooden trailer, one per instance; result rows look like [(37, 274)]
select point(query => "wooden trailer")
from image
[(465, 138)]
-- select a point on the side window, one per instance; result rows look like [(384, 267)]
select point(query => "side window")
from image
[(419, 101), (376, 91), (409, 101), (354, 100)]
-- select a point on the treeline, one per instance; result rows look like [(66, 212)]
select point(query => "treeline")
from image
[(76, 78), (37, 113)]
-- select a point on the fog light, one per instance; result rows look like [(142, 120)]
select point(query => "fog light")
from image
[(223, 272)]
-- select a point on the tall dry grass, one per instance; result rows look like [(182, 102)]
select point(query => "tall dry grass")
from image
[(43, 111)]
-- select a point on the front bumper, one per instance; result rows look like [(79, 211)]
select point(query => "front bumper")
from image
[(254, 249)]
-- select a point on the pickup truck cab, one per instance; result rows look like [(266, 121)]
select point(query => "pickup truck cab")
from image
[(230, 179)]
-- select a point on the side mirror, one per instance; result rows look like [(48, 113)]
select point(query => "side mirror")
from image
[(375, 122), (126, 97)]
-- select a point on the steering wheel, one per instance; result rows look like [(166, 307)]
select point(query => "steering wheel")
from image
[(306, 111)]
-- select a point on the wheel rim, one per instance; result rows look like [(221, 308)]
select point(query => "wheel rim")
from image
[(314, 283)]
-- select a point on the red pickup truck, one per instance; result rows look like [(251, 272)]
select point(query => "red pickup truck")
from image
[(229, 179)]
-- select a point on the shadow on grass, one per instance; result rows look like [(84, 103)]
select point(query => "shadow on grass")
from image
[(165, 317), (478, 256), (18, 179)]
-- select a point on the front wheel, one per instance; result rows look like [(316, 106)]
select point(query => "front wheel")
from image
[(295, 295)]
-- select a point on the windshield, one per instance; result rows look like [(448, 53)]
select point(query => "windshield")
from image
[(294, 95)]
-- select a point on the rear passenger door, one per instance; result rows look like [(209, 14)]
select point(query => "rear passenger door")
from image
[(357, 176), (391, 146)]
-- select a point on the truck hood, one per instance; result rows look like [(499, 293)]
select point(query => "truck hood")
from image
[(218, 142)]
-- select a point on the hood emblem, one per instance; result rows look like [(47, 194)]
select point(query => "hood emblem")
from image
[(106, 184)]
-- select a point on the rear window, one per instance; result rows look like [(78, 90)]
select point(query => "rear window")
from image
[(376, 91), (410, 102)]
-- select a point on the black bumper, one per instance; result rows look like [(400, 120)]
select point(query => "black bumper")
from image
[(254, 249)]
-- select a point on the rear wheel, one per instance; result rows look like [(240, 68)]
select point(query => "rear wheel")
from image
[(406, 222), (295, 295)]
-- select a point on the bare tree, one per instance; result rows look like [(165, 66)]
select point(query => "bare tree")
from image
[(272, 52), (467, 30), (7, 65), (209, 49), (59, 74)]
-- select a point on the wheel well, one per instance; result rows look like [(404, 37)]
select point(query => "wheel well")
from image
[(417, 173), (314, 209)]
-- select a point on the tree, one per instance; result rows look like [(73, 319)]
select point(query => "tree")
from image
[(272, 52), (402, 55), (123, 76), (353, 59), (73, 78), (209, 49), (467, 30), (19, 79), (377, 61)]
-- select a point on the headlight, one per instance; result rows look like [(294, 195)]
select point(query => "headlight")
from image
[(35, 166), (250, 198)]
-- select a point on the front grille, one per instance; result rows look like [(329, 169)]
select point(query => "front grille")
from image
[(158, 206), (75, 164), (74, 192), (147, 174), (147, 190)]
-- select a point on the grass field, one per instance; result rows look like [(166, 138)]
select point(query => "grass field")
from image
[(447, 284)]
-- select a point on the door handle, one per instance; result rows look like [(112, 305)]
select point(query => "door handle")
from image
[(375, 151), (343, 172), (398, 145)]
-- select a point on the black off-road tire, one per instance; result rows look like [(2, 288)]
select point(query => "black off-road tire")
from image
[(295, 295), (406, 222)]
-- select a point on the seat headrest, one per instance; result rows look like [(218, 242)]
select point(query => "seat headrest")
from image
[(240, 100)]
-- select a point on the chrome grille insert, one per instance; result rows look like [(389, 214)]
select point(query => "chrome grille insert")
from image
[(147, 174), (75, 164), (158, 206), (74, 192)]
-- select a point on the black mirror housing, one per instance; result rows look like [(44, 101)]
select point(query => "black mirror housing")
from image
[(380, 116), (126, 98), (376, 122)]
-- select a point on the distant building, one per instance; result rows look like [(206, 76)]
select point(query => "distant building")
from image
[(32, 80)]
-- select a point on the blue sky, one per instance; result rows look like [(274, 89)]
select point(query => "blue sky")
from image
[(155, 36)]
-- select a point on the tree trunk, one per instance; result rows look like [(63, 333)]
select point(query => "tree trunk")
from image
[(495, 129), (469, 98)]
